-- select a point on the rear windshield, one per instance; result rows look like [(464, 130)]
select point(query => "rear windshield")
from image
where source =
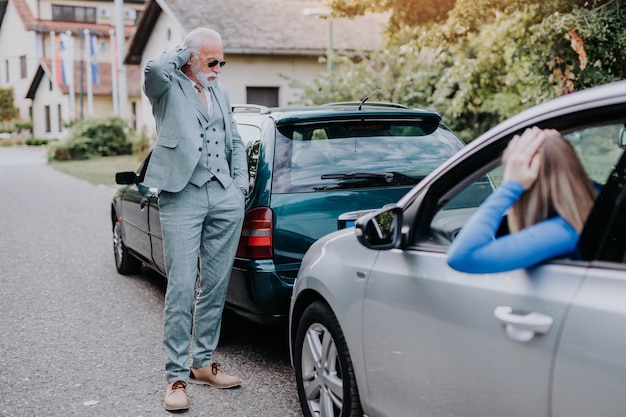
[(334, 156)]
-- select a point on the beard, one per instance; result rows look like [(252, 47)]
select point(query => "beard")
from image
[(207, 79)]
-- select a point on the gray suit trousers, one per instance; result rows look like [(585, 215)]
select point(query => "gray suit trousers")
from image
[(204, 221)]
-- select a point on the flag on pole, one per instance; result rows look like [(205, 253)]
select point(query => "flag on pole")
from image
[(95, 73), (66, 47), (58, 62), (113, 45), (67, 67), (90, 75), (55, 60)]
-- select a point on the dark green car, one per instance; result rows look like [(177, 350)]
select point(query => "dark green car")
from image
[(312, 170)]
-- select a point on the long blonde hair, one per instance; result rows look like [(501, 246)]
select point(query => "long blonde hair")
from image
[(562, 188)]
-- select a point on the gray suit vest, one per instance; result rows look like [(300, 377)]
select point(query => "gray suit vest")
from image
[(213, 161)]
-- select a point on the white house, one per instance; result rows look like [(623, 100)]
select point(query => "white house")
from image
[(47, 48)]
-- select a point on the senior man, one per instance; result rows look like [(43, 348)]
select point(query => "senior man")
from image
[(199, 165)]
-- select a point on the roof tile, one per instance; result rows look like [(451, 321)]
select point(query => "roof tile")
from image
[(277, 25)]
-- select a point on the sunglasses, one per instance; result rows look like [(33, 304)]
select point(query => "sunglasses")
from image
[(214, 62)]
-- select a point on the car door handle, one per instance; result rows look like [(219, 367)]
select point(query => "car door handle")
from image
[(522, 327), (142, 204)]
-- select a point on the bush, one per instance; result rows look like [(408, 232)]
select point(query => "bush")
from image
[(7, 126), (8, 110), (15, 126), (23, 125), (37, 142), (92, 138), (142, 143)]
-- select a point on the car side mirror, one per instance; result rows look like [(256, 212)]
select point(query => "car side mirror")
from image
[(126, 178), (621, 140), (381, 229)]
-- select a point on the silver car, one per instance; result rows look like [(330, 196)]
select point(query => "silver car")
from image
[(380, 324)]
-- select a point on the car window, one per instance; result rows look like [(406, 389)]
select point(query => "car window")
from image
[(335, 156), (453, 214), (141, 171), (251, 136), (604, 235), (597, 147), (609, 216)]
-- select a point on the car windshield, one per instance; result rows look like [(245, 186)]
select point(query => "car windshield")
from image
[(331, 156)]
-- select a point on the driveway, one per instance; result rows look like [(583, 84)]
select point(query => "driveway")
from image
[(22, 155)]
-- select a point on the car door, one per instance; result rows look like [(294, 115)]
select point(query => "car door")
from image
[(154, 226), (438, 342), (134, 211), (149, 212), (590, 367)]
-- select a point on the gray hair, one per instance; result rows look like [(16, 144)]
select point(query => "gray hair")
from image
[(194, 39)]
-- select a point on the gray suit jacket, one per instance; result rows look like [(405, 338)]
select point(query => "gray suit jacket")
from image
[(181, 122)]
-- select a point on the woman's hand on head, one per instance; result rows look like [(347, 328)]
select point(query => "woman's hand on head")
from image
[(521, 158)]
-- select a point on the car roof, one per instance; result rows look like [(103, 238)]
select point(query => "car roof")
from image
[(334, 111)]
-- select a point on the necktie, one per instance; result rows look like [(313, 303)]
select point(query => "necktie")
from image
[(202, 96)]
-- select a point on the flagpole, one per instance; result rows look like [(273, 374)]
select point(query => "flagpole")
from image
[(70, 76), (53, 65), (121, 68), (113, 45), (89, 73)]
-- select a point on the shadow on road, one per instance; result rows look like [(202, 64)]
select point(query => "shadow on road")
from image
[(237, 332), (271, 341)]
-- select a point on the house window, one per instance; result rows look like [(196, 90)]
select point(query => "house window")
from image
[(46, 110), (133, 112), (6, 69), (264, 96), (59, 115), (73, 14), (23, 66)]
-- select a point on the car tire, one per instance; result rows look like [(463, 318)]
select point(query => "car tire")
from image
[(324, 373), (125, 263)]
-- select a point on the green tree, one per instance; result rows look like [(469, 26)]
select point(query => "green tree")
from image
[(393, 74), (583, 48), (8, 110), (403, 13), (484, 78), (468, 14), (486, 61)]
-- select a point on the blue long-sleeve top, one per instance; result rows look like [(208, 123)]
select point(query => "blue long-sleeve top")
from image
[(476, 249)]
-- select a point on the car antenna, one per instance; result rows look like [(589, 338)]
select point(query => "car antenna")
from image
[(366, 98)]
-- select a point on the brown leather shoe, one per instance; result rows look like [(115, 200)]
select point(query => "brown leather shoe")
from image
[(213, 376), (176, 396)]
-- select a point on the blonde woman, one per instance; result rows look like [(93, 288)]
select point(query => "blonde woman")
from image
[(549, 196)]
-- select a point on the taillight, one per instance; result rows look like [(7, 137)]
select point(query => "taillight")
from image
[(256, 235)]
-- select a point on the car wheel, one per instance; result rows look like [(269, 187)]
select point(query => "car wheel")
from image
[(125, 263), (324, 372)]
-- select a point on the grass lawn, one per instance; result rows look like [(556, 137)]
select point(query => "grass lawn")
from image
[(99, 171)]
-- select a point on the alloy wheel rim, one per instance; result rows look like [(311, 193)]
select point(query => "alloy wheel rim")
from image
[(117, 244), (321, 373)]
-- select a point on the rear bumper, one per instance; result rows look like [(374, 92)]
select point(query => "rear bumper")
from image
[(260, 291)]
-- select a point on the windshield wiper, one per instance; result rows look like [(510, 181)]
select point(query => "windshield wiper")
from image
[(387, 176)]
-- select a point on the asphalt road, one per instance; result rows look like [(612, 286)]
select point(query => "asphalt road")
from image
[(76, 338)]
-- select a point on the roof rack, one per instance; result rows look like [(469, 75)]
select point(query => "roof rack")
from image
[(369, 103), (250, 108)]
